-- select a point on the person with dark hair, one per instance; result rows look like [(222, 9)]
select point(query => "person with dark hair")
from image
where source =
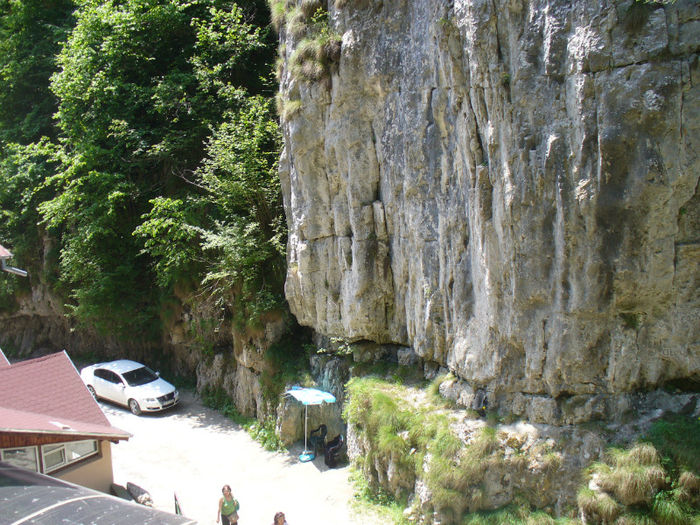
[(280, 519), (228, 507)]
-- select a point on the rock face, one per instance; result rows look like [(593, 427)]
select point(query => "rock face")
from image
[(196, 344), (508, 187)]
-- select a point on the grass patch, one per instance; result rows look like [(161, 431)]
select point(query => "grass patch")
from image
[(515, 515), (653, 481), (411, 429), (376, 501), (456, 471), (417, 439), (635, 519), (433, 391), (312, 59), (297, 22), (597, 507), (278, 13), (677, 439), (319, 48), (633, 476), (310, 7), (264, 433), (667, 510), (287, 109)]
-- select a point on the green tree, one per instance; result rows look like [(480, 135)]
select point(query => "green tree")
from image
[(172, 239), (23, 169), (31, 32), (248, 243), (147, 89)]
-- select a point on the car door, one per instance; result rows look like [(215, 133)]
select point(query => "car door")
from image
[(100, 383), (109, 385), (119, 385)]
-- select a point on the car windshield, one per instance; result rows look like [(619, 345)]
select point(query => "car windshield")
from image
[(140, 376)]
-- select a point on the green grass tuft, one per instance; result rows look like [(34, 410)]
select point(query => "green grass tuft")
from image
[(598, 507), (655, 481), (635, 475), (668, 511), (297, 23), (310, 7), (278, 13)]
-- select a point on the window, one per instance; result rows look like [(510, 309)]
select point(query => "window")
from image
[(80, 449), (54, 457), (24, 457), (107, 375), (61, 454), (140, 376)]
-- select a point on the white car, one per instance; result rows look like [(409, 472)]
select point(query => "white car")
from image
[(130, 384)]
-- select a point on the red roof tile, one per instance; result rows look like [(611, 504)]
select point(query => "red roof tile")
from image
[(29, 422), (4, 252), (51, 387)]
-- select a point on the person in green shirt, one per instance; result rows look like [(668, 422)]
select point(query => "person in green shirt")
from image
[(228, 508)]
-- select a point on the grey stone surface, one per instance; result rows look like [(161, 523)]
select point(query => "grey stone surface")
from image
[(509, 188)]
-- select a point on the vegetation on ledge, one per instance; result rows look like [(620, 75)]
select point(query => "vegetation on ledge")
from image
[(409, 438)]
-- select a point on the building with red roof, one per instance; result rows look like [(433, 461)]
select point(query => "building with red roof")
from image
[(51, 424), (5, 254)]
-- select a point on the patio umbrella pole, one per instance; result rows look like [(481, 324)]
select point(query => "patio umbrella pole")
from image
[(306, 424), (306, 455)]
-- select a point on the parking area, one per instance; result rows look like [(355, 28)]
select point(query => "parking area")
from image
[(192, 451)]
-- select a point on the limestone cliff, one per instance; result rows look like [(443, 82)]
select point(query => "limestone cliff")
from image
[(509, 187)]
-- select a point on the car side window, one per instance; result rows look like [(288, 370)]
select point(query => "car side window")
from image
[(113, 378), (102, 374)]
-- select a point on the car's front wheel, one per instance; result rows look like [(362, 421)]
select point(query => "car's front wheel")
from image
[(92, 391), (134, 407)]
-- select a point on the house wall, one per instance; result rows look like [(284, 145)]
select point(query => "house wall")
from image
[(95, 473)]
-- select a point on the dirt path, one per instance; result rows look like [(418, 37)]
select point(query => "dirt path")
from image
[(193, 451)]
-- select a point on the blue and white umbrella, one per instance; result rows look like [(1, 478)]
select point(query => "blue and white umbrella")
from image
[(309, 396)]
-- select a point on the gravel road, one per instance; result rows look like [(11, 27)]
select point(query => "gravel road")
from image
[(192, 451)]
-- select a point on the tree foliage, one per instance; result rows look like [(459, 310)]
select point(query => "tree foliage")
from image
[(31, 32), (240, 174), (159, 167), (23, 168)]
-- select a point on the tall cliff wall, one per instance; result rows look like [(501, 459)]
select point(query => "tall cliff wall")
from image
[(509, 187)]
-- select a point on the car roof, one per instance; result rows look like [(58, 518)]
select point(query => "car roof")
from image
[(120, 366)]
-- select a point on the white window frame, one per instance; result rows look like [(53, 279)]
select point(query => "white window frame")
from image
[(36, 455), (64, 450)]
